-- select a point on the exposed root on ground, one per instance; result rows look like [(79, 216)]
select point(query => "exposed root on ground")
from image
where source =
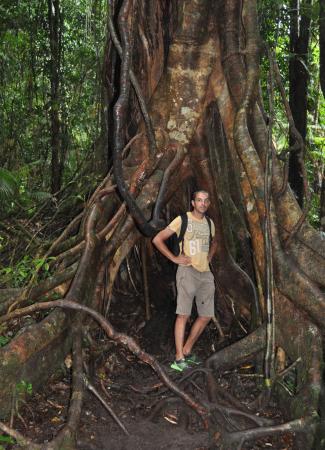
[(212, 414)]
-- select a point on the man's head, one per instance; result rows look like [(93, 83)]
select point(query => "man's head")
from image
[(200, 201)]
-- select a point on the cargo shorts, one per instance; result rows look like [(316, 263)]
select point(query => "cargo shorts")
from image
[(192, 283)]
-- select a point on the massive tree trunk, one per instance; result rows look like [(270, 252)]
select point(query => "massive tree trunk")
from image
[(196, 65), (300, 19)]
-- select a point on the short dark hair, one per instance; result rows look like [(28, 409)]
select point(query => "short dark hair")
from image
[(198, 191)]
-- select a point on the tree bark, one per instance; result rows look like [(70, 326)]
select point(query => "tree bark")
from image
[(298, 87), (322, 204)]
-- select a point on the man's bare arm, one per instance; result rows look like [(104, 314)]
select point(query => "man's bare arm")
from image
[(159, 242)]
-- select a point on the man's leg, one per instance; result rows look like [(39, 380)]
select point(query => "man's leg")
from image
[(196, 331), (185, 295), (180, 326), (205, 308)]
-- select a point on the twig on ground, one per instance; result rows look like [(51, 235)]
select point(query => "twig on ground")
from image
[(94, 391), (21, 440)]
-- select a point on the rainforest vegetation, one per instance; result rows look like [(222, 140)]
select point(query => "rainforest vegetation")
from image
[(112, 114)]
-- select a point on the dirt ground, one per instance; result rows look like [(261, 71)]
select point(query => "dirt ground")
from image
[(45, 413), (122, 382)]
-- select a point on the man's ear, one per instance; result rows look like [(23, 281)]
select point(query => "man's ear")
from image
[(192, 203)]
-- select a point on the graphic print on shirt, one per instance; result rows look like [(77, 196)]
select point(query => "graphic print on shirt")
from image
[(197, 235)]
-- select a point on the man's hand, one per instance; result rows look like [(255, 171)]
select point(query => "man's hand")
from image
[(182, 260), (159, 242)]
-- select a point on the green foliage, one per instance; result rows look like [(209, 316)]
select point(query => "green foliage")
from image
[(25, 74), (9, 186), (27, 268), (314, 165), (313, 213), (25, 116), (6, 440), (274, 18), (14, 194), (4, 340), (24, 388)]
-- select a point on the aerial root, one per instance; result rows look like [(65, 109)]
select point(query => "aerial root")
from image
[(66, 438)]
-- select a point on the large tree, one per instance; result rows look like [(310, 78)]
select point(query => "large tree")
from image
[(186, 111), (300, 21)]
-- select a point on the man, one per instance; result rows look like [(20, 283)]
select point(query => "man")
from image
[(193, 278)]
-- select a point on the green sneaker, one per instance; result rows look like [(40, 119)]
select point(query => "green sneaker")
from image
[(192, 360), (179, 365)]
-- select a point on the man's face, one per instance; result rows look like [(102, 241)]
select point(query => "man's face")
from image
[(201, 202)]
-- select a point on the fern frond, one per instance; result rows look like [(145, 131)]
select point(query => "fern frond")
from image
[(39, 196), (9, 185)]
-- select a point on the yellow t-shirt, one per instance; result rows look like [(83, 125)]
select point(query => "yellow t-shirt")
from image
[(196, 240)]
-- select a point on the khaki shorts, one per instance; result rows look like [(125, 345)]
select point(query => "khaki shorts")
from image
[(192, 283)]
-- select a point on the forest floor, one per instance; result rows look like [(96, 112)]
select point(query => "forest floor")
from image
[(122, 380)]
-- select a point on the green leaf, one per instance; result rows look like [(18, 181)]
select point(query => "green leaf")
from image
[(39, 263), (7, 439), (3, 341), (9, 186), (24, 387)]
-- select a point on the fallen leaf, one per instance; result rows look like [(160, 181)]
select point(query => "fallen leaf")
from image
[(56, 419), (171, 418)]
